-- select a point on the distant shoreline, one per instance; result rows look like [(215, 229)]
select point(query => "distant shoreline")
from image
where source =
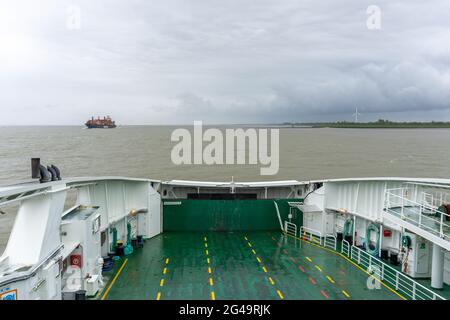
[(381, 124), (312, 125)]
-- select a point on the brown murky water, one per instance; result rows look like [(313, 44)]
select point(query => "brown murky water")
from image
[(305, 154)]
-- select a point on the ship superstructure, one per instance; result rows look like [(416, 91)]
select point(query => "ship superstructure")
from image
[(237, 240), (104, 123)]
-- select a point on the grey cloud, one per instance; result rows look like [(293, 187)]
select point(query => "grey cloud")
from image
[(235, 61)]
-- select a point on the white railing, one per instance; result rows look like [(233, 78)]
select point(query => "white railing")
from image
[(435, 198), (406, 286), (330, 241), (398, 202), (290, 228), (311, 235), (345, 248), (403, 284)]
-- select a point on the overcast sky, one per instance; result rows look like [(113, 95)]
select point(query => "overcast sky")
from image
[(171, 62)]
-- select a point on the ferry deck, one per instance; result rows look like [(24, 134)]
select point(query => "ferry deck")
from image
[(240, 265), (113, 238)]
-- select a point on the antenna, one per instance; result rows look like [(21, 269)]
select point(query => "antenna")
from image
[(356, 114)]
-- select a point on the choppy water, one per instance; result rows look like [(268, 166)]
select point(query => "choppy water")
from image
[(304, 153), (145, 152)]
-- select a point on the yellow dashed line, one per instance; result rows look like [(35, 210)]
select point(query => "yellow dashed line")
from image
[(280, 294), (264, 268), (161, 283), (114, 279), (330, 279), (345, 294), (208, 260), (165, 270), (318, 268), (309, 259), (158, 296), (167, 261), (205, 239)]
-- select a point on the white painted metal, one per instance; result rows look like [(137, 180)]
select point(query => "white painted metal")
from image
[(408, 287), (363, 198), (437, 268), (279, 216), (329, 241), (311, 235), (290, 228), (345, 248)]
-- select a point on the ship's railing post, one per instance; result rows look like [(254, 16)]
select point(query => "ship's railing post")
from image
[(396, 280)]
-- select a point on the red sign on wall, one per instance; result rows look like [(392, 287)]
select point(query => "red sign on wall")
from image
[(76, 260)]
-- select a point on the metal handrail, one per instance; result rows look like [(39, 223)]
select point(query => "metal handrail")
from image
[(345, 248), (290, 227), (330, 241), (403, 284), (424, 206), (311, 234)]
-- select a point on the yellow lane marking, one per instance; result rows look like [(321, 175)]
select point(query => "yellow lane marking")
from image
[(205, 239), (211, 283), (114, 279), (167, 261), (207, 260), (280, 294), (158, 296), (165, 271), (206, 245), (353, 263), (345, 294), (161, 283), (309, 259), (272, 282), (209, 270), (330, 279), (318, 268), (213, 296), (207, 252)]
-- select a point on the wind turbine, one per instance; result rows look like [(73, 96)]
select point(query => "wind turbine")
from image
[(356, 114)]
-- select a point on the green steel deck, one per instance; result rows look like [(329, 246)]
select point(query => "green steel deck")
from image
[(237, 265)]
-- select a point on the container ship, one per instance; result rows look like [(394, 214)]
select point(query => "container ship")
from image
[(385, 238), (105, 123)]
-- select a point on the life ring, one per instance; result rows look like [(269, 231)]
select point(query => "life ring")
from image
[(372, 249)]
